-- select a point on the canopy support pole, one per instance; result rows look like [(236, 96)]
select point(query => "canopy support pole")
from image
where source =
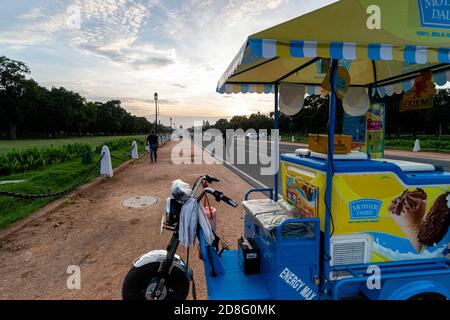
[(277, 142), (330, 174)]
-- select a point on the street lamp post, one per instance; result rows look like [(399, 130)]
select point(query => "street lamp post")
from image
[(156, 112)]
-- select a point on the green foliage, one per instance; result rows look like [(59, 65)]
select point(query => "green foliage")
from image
[(12, 85), (16, 161), (313, 118), (426, 145), (117, 144), (297, 136), (52, 178), (31, 110), (7, 145)]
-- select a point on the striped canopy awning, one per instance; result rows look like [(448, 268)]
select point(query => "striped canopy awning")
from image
[(386, 60)]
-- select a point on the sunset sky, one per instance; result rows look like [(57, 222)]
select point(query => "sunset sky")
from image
[(128, 49)]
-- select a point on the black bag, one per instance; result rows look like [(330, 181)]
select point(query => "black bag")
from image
[(249, 256)]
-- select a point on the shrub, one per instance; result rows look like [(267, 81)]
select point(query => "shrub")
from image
[(17, 161), (431, 145), (118, 144)]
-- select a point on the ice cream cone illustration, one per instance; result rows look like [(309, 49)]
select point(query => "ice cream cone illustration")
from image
[(437, 222), (408, 211)]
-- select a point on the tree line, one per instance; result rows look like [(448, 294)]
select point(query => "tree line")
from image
[(28, 109), (313, 118)]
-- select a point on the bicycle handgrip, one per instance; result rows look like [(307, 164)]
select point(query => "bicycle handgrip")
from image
[(211, 179), (228, 201)]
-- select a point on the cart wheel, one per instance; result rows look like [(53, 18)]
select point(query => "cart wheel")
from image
[(429, 296), (140, 283)]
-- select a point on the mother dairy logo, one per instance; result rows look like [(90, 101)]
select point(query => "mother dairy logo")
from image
[(434, 13), (365, 209)]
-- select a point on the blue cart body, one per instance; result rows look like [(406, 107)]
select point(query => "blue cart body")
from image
[(290, 270), (283, 275)]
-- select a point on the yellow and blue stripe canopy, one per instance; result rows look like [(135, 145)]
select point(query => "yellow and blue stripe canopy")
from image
[(411, 39)]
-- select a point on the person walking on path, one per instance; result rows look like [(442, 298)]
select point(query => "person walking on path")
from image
[(153, 141)]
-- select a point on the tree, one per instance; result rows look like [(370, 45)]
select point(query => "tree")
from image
[(85, 115), (33, 104), (12, 77), (222, 125), (440, 113), (239, 122)]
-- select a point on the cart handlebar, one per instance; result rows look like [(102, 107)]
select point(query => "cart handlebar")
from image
[(209, 179), (219, 196), (227, 200)]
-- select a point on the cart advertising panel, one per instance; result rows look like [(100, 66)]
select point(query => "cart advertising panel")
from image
[(381, 216)]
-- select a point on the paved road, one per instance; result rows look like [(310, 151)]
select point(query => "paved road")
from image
[(252, 172)]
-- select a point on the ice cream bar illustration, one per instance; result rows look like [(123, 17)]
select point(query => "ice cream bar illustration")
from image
[(437, 222), (408, 211)]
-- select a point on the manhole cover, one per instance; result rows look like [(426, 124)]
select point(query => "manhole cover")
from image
[(140, 202)]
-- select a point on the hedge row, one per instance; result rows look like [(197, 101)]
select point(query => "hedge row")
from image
[(17, 161), (433, 145)]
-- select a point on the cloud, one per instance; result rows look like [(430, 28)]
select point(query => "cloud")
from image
[(110, 25), (178, 85), (136, 101), (136, 56), (132, 48), (33, 27), (211, 17), (238, 11), (32, 14), (107, 28), (110, 28)]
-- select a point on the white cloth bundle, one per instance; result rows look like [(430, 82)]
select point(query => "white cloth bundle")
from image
[(106, 164), (191, 216), (134, 151)]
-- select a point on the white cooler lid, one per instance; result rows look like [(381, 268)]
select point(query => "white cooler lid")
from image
[(354, 155), (409, 166)]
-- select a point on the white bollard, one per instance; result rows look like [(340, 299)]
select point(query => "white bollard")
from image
[(293, 139), (106, 165), (134, 151), (417, 146)]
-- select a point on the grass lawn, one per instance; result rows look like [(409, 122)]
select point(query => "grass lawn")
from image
[(54, 178), (6, 145)]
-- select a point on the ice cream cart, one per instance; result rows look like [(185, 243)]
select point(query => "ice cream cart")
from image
[(348, 225)]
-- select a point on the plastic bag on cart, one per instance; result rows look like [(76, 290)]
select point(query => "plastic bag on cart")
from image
[(181, 191), (293, 230), (290, 208), (299, 231), (259, 206)]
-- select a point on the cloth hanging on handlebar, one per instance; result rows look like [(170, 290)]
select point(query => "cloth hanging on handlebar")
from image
[(191, 217)]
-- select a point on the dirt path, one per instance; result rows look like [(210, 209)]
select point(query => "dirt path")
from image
[(102, 237)]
